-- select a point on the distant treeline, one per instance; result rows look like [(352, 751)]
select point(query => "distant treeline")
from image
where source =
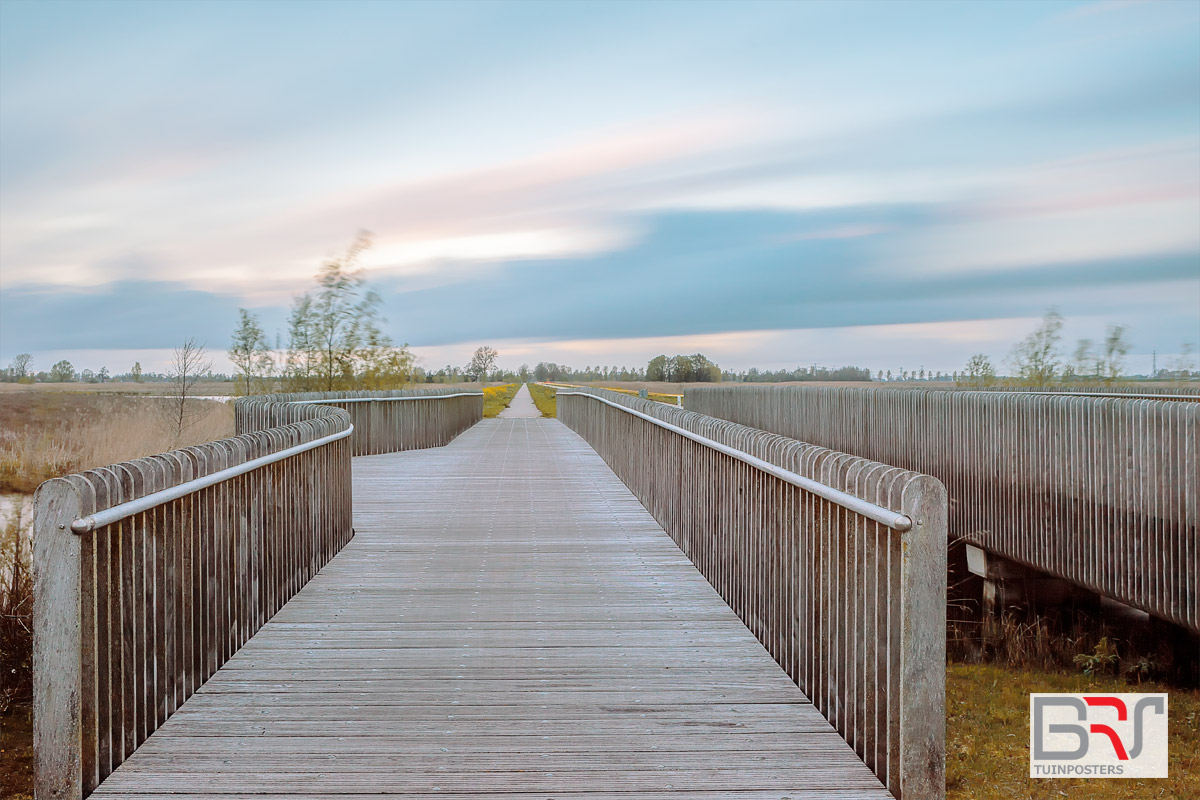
[(21, 370), (267, 370), (695, 368), (683, 369), (814, 373)]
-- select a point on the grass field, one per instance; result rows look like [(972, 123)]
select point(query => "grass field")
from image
[(497, 398), (987, 738), (544, 399)]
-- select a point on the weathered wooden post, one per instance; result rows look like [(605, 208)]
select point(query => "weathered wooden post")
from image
[(923, 640), (58, 700)]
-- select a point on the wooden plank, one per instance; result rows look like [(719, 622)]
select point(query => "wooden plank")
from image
[(831, 793), (510, 620)]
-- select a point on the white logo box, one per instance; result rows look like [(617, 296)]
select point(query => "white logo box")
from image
[(1098, 735)]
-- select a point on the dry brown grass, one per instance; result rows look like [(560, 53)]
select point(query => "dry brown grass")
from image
[(16, 653), (16, 608), (16, 753), (47, 434), (207, 388)]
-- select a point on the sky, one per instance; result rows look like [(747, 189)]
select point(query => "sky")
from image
[(888, 184)]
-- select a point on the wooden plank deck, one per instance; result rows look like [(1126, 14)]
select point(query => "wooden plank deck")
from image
[(507, 622)]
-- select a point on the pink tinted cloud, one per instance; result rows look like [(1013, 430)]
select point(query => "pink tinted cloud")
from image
[(532, 192), (1168, 173), (565, 196)]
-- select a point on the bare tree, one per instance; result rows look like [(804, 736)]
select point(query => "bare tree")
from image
[(189, 364), (483, 363), (20, 366)]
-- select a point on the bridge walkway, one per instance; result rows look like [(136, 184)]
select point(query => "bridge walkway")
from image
[(507, 622)]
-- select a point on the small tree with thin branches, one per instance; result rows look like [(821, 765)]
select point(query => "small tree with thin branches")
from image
[(188, 365), (250, 353)]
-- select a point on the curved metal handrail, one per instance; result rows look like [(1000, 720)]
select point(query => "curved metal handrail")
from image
[(892, 519), (125, 510), (383, 399)]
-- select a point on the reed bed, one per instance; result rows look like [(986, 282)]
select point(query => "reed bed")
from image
[(16, 607), (44, 435)]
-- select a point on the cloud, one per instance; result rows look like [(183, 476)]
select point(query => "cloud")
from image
[(125, 314), (707, 272), (690, 274), (672, 175)]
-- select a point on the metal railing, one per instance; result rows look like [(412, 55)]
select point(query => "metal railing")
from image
[(1180, 391), (384, 422), (837, 564), (1103, 492), (149, 575), (1177, 391), (641, 393)]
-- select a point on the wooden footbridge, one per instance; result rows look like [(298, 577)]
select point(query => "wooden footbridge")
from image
[(632, 602)]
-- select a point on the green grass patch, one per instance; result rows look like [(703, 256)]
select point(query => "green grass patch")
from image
[(987, 737), (545, 398), (497, 398)]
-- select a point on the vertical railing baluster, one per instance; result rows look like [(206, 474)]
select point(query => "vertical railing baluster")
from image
[(852, 609), (133, 613), (1072, 484)]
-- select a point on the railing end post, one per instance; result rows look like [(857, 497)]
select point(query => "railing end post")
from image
[(57, 642), (923, 641)]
